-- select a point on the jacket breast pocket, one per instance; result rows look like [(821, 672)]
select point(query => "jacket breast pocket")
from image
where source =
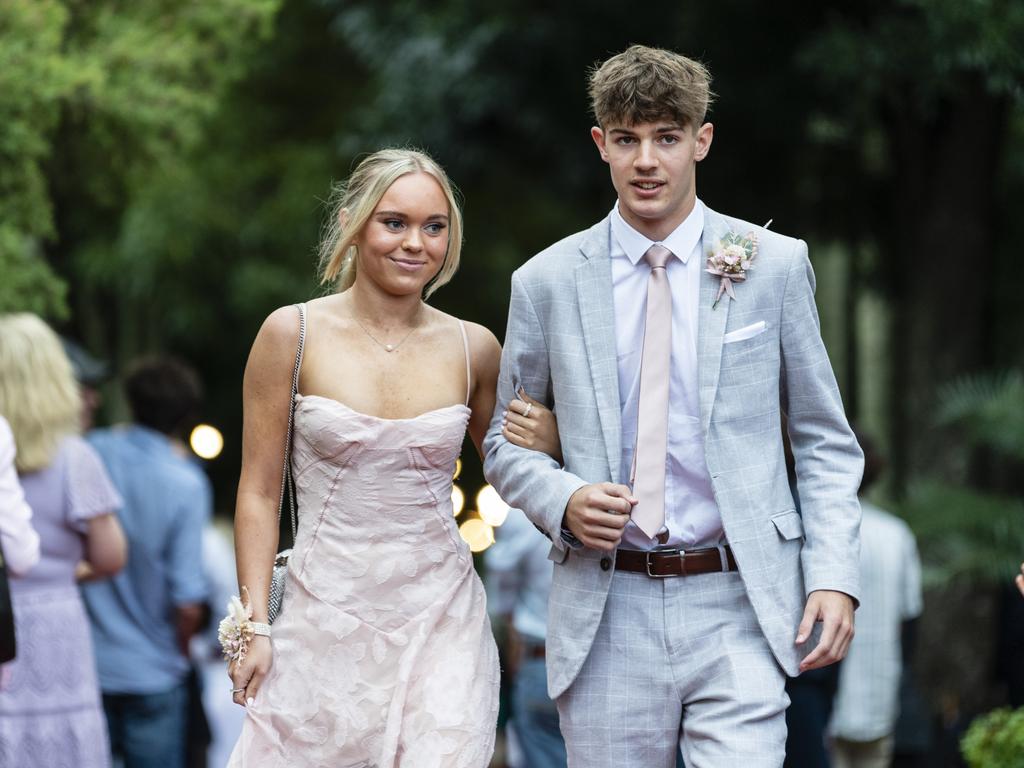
[(746, 332), (789, 524)]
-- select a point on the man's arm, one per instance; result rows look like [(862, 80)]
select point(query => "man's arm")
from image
[(530, 480), (186, 575), (829, 465)]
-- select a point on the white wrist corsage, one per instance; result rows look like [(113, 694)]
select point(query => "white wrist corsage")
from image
[(237, 629)]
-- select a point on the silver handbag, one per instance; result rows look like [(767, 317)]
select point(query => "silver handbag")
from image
[(275, 602)]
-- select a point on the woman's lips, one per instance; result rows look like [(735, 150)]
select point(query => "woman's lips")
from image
[(409, 265)]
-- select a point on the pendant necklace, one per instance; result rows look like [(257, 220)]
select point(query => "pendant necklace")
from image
[(375, 340)]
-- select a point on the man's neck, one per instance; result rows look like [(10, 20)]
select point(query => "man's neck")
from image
[(658, 230)]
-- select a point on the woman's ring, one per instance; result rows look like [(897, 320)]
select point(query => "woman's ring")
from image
[(529, 407), (236, 690)]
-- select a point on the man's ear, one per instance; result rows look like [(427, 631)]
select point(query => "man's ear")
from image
[(598, 136), (705, 134)]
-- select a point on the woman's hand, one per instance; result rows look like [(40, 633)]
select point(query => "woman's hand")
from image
[(528, 424), (247, 677)]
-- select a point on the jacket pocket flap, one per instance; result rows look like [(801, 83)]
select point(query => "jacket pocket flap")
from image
[(558, 555), (789, 525)]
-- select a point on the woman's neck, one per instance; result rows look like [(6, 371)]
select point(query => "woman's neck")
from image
[(383, 310)]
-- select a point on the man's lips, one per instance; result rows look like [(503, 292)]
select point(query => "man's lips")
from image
[(645, 188), (647, 184)]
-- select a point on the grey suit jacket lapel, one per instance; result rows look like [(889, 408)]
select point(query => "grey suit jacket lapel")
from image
[(597, 315), (710, 322)]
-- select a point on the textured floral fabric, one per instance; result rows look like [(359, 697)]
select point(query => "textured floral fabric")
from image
[(383, 654), (50, 712)]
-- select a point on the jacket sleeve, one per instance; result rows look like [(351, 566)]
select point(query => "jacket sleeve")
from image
[(829, 462), (529, 480)]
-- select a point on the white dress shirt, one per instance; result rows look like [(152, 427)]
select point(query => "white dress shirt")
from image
[(18, 538), (691, 513)]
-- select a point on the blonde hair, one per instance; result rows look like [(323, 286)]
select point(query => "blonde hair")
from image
[(38, 392), (643, 85), (360, 195)]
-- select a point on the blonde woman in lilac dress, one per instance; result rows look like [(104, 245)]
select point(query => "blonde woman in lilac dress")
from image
[(383, 655), (50, 711)]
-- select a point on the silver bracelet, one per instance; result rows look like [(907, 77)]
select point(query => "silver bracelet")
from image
[(260, 629)]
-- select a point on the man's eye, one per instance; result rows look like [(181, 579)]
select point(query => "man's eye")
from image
[(669, 139), (623, 140)]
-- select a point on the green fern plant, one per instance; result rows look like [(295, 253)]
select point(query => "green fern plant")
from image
[(989, 408), (967, 534)]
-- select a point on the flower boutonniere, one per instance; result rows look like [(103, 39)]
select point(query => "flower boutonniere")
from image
[(730, 259)]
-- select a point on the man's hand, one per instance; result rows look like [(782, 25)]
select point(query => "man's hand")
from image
[(835, 611), (596, 514)]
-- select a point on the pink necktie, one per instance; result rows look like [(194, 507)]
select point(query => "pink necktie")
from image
[(652, 418)]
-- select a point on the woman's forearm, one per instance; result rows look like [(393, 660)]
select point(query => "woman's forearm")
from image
[(256, 540)]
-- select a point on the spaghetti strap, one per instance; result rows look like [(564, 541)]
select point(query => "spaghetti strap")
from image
[(465, 344)]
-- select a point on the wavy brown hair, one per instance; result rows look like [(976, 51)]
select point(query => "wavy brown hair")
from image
[(644, 85)]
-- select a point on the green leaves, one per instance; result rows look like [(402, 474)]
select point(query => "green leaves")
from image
[(97, 98), (995, 740)]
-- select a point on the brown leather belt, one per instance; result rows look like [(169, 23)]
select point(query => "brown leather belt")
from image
[(662, 563)]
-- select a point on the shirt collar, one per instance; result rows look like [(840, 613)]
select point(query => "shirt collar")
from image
[(681, 241)]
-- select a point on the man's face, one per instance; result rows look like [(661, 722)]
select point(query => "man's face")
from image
[(653, 167)]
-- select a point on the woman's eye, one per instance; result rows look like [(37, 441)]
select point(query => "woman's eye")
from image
[(393, 224), (435, 229)]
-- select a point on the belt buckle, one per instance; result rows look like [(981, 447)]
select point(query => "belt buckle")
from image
[(651, 552)]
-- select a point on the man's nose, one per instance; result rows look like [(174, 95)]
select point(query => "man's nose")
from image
[(646, 159)]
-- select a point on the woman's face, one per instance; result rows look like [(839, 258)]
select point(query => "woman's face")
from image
[(403, 244)]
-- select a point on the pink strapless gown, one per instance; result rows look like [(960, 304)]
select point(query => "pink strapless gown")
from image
[(383, 654)]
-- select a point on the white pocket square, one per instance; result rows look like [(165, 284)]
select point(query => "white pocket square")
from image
[(746, 332)]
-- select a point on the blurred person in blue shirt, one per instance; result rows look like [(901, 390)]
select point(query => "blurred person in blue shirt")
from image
[(143, 619)]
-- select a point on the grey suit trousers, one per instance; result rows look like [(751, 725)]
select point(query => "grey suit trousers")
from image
[(677, 663)]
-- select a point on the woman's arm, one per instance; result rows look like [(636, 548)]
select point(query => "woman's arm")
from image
[(529, 424), (485, 359), (266, 389), (106, 549)]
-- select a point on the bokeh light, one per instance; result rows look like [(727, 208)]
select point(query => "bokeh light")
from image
[(458, 500), (493, 510), (478, 534), (207, 442), (458, 469)]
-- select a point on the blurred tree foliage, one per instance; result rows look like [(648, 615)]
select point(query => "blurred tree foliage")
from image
[(97, 98), (923, 96), (167, 160)]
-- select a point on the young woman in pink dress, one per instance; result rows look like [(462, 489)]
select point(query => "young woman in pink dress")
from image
[(383, 655)]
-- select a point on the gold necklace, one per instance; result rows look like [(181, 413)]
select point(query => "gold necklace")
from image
[(382, 345)]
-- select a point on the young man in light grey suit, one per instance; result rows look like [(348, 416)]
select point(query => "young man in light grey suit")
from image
[(686, 584)]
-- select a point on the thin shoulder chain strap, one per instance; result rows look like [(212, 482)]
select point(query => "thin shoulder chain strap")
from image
[(287, 484), (465, 346)]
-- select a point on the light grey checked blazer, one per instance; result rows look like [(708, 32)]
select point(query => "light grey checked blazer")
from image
[(560, 346)]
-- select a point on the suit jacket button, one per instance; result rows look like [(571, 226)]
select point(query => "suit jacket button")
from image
[(606, 563)]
